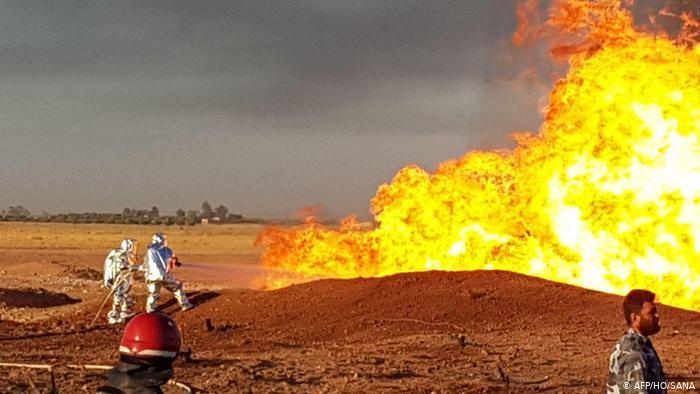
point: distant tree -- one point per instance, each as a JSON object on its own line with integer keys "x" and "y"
{"x": 126, "y": 212}
{"x": 154, "y": 212}
{"x": 18, "y": 211}
{"x": 180, "y": 213}
{"x": 168, "y": 220}
{"x": 234, "y": 217}
{"x": 140, "y": 213}
{"x": 207, "y": 211}
{"x": 192, "y": 217}
{"x": 221, "y": 212}
{"x": 180, "y": 220}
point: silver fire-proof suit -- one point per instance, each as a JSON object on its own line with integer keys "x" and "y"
{"x": 118, "y": 273}
{"x": 158, "y": 267}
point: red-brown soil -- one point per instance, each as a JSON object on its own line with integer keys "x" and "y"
{"x": 392, "y": 334}
{"x": 33, "y": 298}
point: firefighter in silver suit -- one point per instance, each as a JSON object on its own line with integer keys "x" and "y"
{"x": 159, "y": 263}
{"x": 118, "y": 275}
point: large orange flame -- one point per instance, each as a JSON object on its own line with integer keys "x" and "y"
{"x": 606, "y": 195}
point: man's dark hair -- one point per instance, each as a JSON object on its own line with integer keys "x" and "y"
{"x": 634, "y": 300}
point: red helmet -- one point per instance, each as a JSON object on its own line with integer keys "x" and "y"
{"x": 151, "y": 336}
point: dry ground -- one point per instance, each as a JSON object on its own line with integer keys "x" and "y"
{"x": 393, "y": 334}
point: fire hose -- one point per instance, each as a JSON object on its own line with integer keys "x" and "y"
{"x": 120, "y": 279}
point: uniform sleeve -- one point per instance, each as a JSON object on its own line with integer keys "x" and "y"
{"x": 630, "y": 375}
{"x": 626, "y": 371}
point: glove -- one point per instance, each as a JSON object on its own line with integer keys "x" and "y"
{"x": 174, "y": 261}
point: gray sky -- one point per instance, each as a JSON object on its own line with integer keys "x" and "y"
{"x": 264, "y": 106}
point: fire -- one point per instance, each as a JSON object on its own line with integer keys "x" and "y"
{"x": 605, "y": 196}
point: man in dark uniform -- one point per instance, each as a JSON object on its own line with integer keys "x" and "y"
{"x": 635, "y": 366}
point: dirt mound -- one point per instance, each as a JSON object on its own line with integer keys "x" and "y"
{"x": 356, "y": 309}
{"x": 33, "y": 298}
{"x": 78, "y": 272}
{"x": 84, "y": 273}
{"x": 481, "y": 331}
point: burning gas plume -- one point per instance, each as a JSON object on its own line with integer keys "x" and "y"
{"x": 605, "y": 196}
